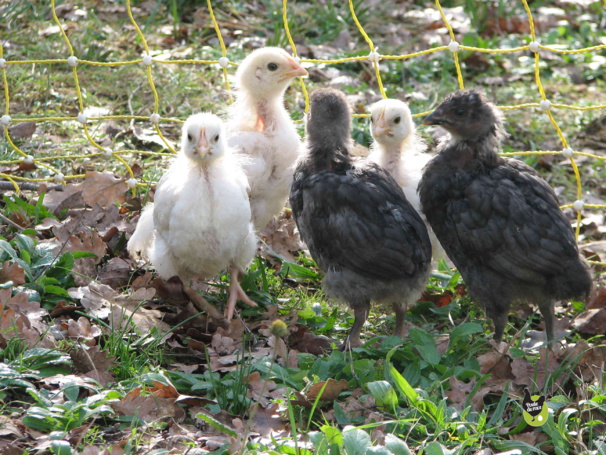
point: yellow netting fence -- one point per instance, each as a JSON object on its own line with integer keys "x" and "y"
{"x": 224, "y": 64}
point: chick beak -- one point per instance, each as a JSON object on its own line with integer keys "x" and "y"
{"x": 202, "y": 147}
{"x": 380, "y": 127}
{"x": 295, "y": 70}
{"x": 435, "y": 118}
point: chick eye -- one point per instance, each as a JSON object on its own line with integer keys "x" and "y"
{"x": 272, "y": 66}
{"x": 216, "y": 138}
{"x": 397, "y": 119}
{"x": 189, "y": 138}
{"x": 459, "y": 112}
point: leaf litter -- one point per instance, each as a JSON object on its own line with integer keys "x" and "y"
{"x": 91, "y": 220}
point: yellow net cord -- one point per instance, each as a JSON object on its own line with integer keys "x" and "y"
{"x": 224, "y": 64}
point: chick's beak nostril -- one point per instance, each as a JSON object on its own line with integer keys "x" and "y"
{"x": 381, "y": 127}
{"x": 293, "y": 63}
{"x": 435, "y": 118}
{"x": 296, "y": 70}
{"x": 381, "y": 131}
{"x": 202, "y": 146}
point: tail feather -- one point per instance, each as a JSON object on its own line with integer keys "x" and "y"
{"x": 142, "y": 239}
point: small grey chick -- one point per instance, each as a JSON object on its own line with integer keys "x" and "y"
{"x": 498, "y": 220}
{"x": 356, "y": 221}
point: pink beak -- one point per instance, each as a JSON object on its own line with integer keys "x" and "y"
{"x": 380, "y": 127}
{"x": 202, "y": 147}
{"x": 295, "y": 71}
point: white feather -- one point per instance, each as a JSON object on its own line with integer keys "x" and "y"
{"x": 261, "y": 130}
{"x": 399, "y": 150}
{"x": 201, "y": 214}
{"x": 143, "y": 237}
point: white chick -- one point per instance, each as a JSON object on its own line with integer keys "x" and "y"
{"x": 399, "y": 150}
{"x": 261, "y": 130}
{"x": 200, "y": 223}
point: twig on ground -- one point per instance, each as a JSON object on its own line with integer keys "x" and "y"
{"x": 29, "y": 186}
{"x": 11, "y": 222}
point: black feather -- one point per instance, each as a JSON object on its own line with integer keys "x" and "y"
{"x": 355, "y": 219}
{"x": 497, "y": 219}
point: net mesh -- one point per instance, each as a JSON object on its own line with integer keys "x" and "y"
{"x": 54, "y": 173}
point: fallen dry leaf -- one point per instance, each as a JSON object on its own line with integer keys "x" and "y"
{"x": 82, "y": 330}
{"x": 185, "y": 368}
{"x": 9, "y": 427}
{"x": 358, "y": 404}
{"x": 459, "y": 391}
{"x": 116, "y": 272}
{"x": 281, "y": 238}
{"x": 330, "y": 393}
{"x": 495, "y": 363}
{"x": 10, "y": 447}
{"x": 94, "y": 363}
{"x": 157, "y": 403}
{"x": 491, "y": 386}
{"x": 23, "y": 319}
{"x": 231, "y": 362}
{"x": 589, "y": 360}
{"x": 63, "y": 308}
{"x": 12, "y": 272}
{"x": 303, "y": 340}
{"x": 61, "y": 381}
{"x": 591, "y": 322}
{"x": 81, "y": 220}
{"x": 128, "y": 309}
{"x": 532, "y": 375}
{"x": 89, "y": 242}
{"x": 260, "y": 390}
{"x": 267, "y": 421}
{"x": 13, "y": 324}
{"x": 439, "y": 300}
{"x": 280, "y": 348}
{"x": 84, "y": 270}
{"x": 598, "y": 299}
{"x": 103, "y": 188}
{"x": 95, "y": 298}
{"x": 533, "y": 438}
{"x": 23, "y": 130}
{"x": 234, "y": 330}
{"x": 68, "y": 197}
{"x": 143, "y": 281}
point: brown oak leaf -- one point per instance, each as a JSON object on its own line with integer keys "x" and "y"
{"x": 103, "y": 188}
{"x": 12, "y": 272}
{"x": 83, "y": 330}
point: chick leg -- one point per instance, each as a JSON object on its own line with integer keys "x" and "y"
{"x": 548, "y": 313}
{"x": 400, "y": 310}
{"x": 499, "y": 318}
{"x": 361, "y": 310}
{"x": 234, "y": 293}
{"x": 201, "y": 303}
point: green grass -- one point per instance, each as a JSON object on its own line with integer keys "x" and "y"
{"x": 399, "y": 384}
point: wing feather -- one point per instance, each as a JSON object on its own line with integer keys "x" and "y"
{"x": 509, "y": 220}
{"x": 360, "y": 220}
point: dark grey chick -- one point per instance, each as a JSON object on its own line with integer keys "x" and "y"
{"x": 497, "y": 219}
{"x": 359, "y": 227}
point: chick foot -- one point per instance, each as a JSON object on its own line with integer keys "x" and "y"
{"x": 202, "y": 304}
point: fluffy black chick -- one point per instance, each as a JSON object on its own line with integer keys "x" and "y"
{"x": 359, "y": 227}
{"x": 497, "y": 219}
